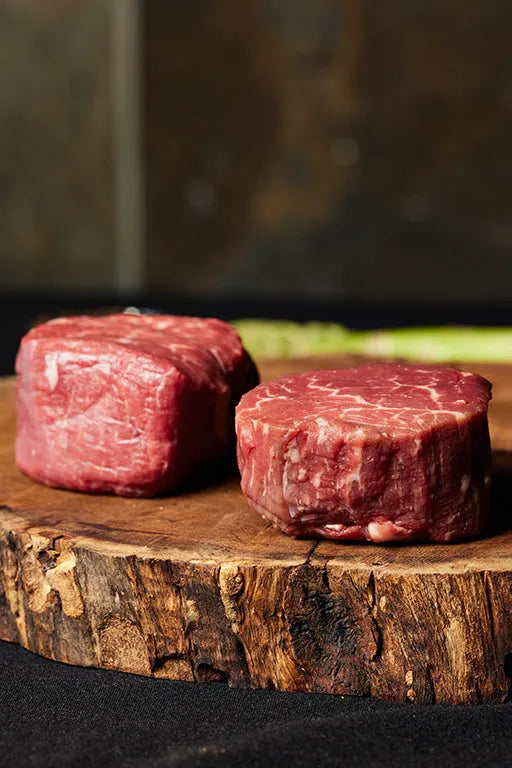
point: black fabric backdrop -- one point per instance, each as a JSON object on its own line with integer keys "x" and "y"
{"x": 55, "y": 715}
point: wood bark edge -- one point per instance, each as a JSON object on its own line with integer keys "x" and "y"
{"x": 315, "y": 626}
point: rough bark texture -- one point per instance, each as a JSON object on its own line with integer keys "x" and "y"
{"x": 197, "y": 587}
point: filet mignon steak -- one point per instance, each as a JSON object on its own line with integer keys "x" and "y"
{"x": 380, "y": 453}
{"x": 129, "y": 404}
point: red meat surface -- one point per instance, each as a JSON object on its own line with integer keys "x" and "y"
{"x": 380, "y": 453}
{"x": 129, "y": 404}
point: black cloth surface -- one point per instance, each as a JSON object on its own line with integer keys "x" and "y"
{"x": 55, "y": 715}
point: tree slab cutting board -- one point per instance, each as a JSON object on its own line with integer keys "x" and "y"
{"x": 198, "y": 587}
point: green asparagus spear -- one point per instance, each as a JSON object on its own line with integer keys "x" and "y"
{"x": 437, "y": 345}
{"x": 280, "y": 338}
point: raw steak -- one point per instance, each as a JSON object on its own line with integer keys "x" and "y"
{"x": 381, "y": 452}
{"x": 130, "y": 404}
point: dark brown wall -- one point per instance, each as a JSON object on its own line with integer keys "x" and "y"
{"x": 305, "y": 147}
{"x": 56, "y": 226}
{"x": 330, "y": 147}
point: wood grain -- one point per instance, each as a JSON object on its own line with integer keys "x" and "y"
{"x": 198, "y": 587}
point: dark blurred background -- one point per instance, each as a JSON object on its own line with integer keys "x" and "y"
{"x": 328, "y": 153}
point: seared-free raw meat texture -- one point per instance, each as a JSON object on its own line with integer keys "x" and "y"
{"x": 381, "y": 452}
{"x": 129, "y": 404}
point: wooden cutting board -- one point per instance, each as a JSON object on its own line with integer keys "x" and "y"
{"x": 198, "y": 587}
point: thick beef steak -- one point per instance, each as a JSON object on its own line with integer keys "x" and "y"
{"x": 130, "y": 404}
{"x": 381, "y": 452}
